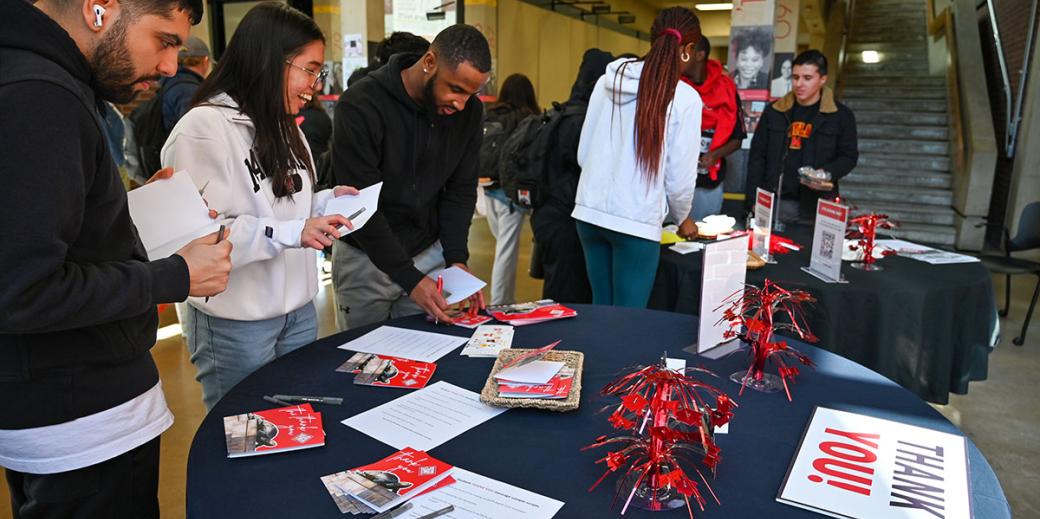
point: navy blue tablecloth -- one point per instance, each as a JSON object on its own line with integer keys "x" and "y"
{"x": 539, "y": 450}
{"x": 930, "y": 328}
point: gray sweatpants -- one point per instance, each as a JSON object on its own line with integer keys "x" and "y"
{"x": 366, "y": 295}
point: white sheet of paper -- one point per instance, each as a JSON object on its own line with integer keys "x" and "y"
{"x": 425, "y": 418}
{"x": 458, "y": 284}
{"x": 537, "y": 372}
{"x": 478, "y": 497}
{"x": 367, "y": 202}
{"x": 402, "y": 342}
{"x": 723, "y": 274}
{"x": 686, "y": 247}
{"x": 168, "y": 214}
{"x": 925, "y": 253}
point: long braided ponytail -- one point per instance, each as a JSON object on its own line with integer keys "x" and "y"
{"x": 673, "y": 28}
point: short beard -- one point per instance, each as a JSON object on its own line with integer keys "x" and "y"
{"x": 113, "y": 69}
{"x": 428, "y": 99}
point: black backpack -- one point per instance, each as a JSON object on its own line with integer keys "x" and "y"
{"x": 499, "y": 123}
{"x": 525, "y": 155}
{"x": 149, "y": 133}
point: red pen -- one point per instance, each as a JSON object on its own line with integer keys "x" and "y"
{"x": 440, "y": 292}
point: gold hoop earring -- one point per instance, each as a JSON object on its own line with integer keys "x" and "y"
{"x": 684, "y": 57}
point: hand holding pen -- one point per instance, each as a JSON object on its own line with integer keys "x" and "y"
{"x": 209, "y": 263}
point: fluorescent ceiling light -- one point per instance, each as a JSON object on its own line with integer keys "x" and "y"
{"x": 720, "y": 6}
{"x": 871, "y": 56}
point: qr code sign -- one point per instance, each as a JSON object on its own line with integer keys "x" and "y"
{"x": 827, "y": 245}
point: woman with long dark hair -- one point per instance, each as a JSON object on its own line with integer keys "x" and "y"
{"x": 516, "y": 101}
{"x": 242, "y": 147}
{"x": 638, "y": 154}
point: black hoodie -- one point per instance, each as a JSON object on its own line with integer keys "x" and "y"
{"x": 78, "y": 296}
{"x": 427, "y": 163}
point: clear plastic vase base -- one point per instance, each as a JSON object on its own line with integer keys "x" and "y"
{"x": 766, "y": 383}
{"x": 662, "y": 499}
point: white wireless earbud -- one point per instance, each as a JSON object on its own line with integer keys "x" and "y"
{"x": 99, "y": 13}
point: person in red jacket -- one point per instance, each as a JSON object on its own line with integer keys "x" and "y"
{"x": 722, "y": 128}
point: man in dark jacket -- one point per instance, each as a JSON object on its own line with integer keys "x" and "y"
{"x": 560, "y": 252}
{"x": 807, "y": 127}
{"x": 82, "y": 403}
{"x": 415, "y": 125}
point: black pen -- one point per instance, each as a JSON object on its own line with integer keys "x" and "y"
{"x": 274, "y": 400}
{"x": 312, "y": 399}
{"x": 220, "y": 236}
{"x": 343, "y": 228}
{"x": 446, "y": 510}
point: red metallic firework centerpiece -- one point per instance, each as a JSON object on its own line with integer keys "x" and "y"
{"x": 669, "y": 419}
{"x": 867, "y": 226}
{"x": 755, "y": 315}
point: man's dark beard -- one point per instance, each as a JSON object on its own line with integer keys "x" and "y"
{"x": 428, "y": 100}
{"x": 113, "y": 70}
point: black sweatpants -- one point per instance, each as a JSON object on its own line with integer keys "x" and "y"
{"x": 124, "y": 486}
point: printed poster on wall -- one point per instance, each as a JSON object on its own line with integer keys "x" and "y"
{"x": 785, "y": 45}
{"x": 751, "y": 56}
{"x": 410, "y": 16}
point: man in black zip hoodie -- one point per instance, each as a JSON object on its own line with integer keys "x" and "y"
{"x": 82, "y": 403}
{"x": 807, "y": 127}
{"x": 415, "y": 125}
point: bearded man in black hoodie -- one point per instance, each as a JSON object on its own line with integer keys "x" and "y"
{"x": 415, "y": 125}
{"x": 82, "y": 404}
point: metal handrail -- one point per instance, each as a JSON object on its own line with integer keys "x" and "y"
{"x": 1005, "y": 79}
{"x": 1016, "y": 118}
{"x": 850, "y": 9}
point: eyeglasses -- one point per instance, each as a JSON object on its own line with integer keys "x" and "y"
{"x": 319, "y": 77}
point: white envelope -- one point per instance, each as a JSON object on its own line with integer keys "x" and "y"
{"x": 458, "y": 284}
{"x": 168, "y": 214}
{"x": 537, "y": 372}
{"x": 358, "y": 208}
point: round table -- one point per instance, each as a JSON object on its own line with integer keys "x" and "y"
{"x": 539, "y": 450}
{"x": 928, "y": 327}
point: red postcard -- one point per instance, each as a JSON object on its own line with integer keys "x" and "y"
{"x": 390, "y": 481}
{"x": 274, "y": 430}
{"x": 388, "y": 371}
{"x": 520, "y": 314}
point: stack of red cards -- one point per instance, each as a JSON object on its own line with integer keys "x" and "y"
{"x": 274, "y": 430}
{"x": 388, "y": 482}
{"x": 557, "y": 388}
{"x": 387, "y": 371}
{"x": 531, "y": 376}
{"x": 519, "y": 314}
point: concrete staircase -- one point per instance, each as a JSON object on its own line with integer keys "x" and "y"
{"x": 901, "y": 115}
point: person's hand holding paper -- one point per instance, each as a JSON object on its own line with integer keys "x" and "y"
{"x": 169, "y": 212}
{"x": 356, "y": 206}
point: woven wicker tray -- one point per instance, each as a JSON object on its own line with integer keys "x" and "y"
{"x": 573, "y": 359}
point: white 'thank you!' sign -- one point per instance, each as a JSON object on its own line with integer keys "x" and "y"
{"x": 857, "y": 467}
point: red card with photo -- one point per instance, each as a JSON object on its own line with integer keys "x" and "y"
{"x": 273, "y": 430}
{"x": 388, "y": 371}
